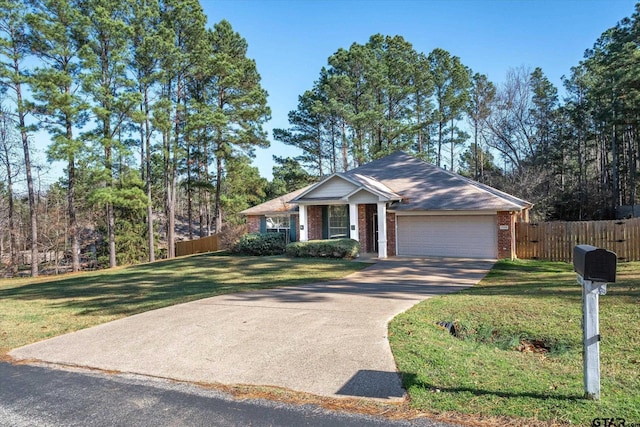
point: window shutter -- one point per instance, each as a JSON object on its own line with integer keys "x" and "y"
{"x": 325, "y": 222}
{"x": 263, "y": 224}
{"x": 293, "y": 228}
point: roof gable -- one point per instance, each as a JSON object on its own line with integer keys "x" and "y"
{"x": 340, "y": 187}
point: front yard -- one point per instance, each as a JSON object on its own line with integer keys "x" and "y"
{"x": 518, "y": 349}
{"x": 515, "y": 358}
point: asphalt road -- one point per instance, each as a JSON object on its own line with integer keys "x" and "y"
{"x": 40, "y": 396}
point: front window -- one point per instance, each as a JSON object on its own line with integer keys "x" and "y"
{"x": 278, "y": 223}
{"x": 338, "y": 221}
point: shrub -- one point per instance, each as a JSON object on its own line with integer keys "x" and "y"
{"x": 230, "y": 235}
{"x": 261, "y": 244}
{"x": 338, "y": 248}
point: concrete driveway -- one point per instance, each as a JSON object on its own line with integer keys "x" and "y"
{"x": 327, "y": 338}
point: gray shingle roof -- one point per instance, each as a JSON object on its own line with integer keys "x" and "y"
{"x": 427, "y": 187}
{"x": 278, "y": 205}
{"x": 420, "y": 186}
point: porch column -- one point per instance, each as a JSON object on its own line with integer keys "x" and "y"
{"x": 304, "y": 227}
{"x": 382, "y": 230}
{"x": 353, "y": 221}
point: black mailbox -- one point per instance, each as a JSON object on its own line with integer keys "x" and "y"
{"x": 595, "y": 264}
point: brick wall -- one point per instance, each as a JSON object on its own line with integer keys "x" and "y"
{"x": 253, "y": 223}
{"x": 363, "y": 232}
{"x": 314, "y": 222}
{"x": 391, "y": 234}
{"x": 506, "y": 248}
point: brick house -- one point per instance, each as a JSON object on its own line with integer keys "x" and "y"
{"x": 399, "y": 205}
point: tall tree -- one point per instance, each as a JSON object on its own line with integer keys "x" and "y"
{"x": 7, "y": 157}
{"x": 14, "y": 47}
{"x": 183, "y": 30}
{"x": 451, "y": 88}
{"x": 422, "y": 91}
{"x": 55, "y": 28}
{"x": 511, "y": 127}
{"x": 348, "y": 87}
{"x": 398, "y": 58}
{"x": 544, "y": 101}
{"x": 147, "y": 39}
{"x": 241, "y": 104}
{"x": 104, "y": 58}
{"x": 307, "y": 132}
{"x": 482, "y": 95}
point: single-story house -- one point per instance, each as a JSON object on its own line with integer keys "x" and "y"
{"x": 399, "y": 205}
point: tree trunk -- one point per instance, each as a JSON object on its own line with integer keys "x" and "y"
{"x": 13, "y": 245}
{"x": 169, "y": 201}
{"x": 73, "y": 225}
{"x": 452, "y": 142}
{"x": 189, "y": 193}
{"x": 147, "y": 143}
{"x": 217, "y": 212}
{"x": 111, "y": 219}
{"x": 71, "y": 203}
{"x": 33, "y": 219}
{"x": 438, "y": 160}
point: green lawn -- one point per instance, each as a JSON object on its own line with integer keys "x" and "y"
{"x": 482, "y": 372}
{"x": 35, "y": 309}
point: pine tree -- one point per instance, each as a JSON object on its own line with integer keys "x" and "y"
{"x": 241, "y": 104}
{"x": 482, "y": 94}
{"x": 55, "y": 29}
{"x": 147, "y": 39}
{"x": 14, "y": 47}
{"x": 183, "y": 29}
{"x": 306, "y": 132}
{"x": 8, "y": 143}
{"x": 452, "y": 83}
{"x": 104, "y": 58}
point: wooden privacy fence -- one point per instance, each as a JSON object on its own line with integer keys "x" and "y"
{"x": 205, "y": 244}
{"x": 554, "y": 241}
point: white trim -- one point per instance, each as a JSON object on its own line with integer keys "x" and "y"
{"x": 330, "y": 216}
{"x": 382, "y": 230}
{"x": 396, "y": 236}
{"x": 444, "y": 213}
{"x": 303, "y": 226}
{"x": 353, "y": 221}
{"x": 359, "y": 186}
{"x": 321, "y": 202}
{"x": 276, "y": 213}
{"x": 359, "y": 189}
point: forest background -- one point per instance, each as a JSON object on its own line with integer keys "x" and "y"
{"x": 157, "y": 117}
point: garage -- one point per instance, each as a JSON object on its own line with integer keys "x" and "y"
{"x": 468, "y": 236}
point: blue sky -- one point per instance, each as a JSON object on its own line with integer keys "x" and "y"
{"x": 291, "y": 40}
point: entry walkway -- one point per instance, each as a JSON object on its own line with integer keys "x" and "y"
{"x": 327, "y": 338}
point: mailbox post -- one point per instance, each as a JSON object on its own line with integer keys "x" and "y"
{"x": 595, "y": 267}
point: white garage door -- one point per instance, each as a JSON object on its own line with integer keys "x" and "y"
{"x": 452, "y": 236}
